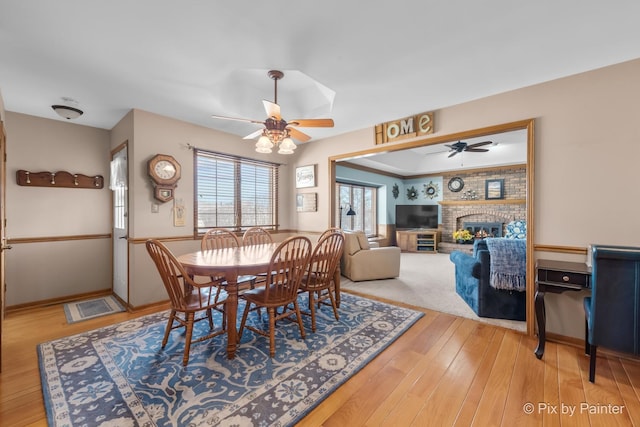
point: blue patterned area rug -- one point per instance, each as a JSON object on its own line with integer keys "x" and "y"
{"x": 89, "y": 309}
{"x": 119, "y": 376}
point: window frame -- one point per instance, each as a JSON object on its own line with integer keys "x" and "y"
{"x": 235, "y": 186}
{"x": 359, "y": 221}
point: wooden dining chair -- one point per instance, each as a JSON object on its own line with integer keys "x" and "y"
{"x": 318, "y": 281}
{"x": 222, "y": 238}
{"x": 219, "y": 238}
{"x": 288, "y": 265}
{"x": 256, "y": 236}
{"x": 331, "y": 230}
{"x": 335, "y": 284}
{"x": 187, "y": 297}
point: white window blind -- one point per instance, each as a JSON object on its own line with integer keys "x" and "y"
{"x": 234, "y": 192}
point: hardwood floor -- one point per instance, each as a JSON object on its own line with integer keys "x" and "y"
{"x": 444, "y": 371}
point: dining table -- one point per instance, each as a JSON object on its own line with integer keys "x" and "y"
{"x": 230, "y": 263}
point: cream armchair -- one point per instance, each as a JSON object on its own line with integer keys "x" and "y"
{"x": 362, "y": 260}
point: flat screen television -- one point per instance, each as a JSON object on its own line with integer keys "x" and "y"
{"x": 416, "y": 216}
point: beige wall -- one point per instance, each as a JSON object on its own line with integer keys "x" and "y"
{"x": 587, "y": 143}
{"x": 149, "y": 134}
{"x": 2, "y": 112}
{"x": 155, "y": 134}
{"x": 41, "y": 271}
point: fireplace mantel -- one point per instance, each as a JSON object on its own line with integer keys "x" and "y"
{"x": 483, "y": 202}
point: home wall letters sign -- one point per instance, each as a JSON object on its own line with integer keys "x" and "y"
{"x": 408, "y": 127}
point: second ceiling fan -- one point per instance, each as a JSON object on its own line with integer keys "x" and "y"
{"x": 275, "y": 127}
{"x": 461, "y": 146}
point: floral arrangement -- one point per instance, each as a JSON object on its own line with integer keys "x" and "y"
{"x": 462, "y": 235}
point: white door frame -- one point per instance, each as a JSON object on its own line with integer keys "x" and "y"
{"x": 120, "y": 225}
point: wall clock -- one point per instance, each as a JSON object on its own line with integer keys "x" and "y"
{"x": 456, "y": 184}
{"x": 164, "y": 171}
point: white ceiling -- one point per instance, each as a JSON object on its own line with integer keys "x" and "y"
{"x": 384, "y": 60}
{"x": 507, "y": 148}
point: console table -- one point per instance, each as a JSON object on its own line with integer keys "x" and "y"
{"x": 418, "y": 240}
{"x": 556, "y": 277}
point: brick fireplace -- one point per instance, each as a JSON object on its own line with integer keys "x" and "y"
{"x": 475, "y": 215}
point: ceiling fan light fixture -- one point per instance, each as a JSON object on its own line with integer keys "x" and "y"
{"x": 275, "y": 138}
{"x": 264, "y": 145}
{"x": 276, "y": 129}
{"x": 67, "y": 112}
{"x": 284, "y": 151}
{"x": 287, "y": 144}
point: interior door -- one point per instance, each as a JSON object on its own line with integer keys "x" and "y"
{"x": 3, "y": 242}
{"x": 120, "y": 230}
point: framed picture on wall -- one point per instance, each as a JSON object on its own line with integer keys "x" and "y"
{"x": 307, "y": 202}
{"x": 306, "y": 176}
{"x": 494, "y": 189}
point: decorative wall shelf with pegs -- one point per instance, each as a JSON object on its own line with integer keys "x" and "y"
{"x": 58, "y": 179}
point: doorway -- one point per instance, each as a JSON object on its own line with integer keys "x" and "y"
{"x": 526, "y": 125}
{"x": 120, "y": 227}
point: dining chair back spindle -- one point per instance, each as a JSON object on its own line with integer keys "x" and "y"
{"x": 331, "y": 230}
{"x": 219, "y": 238}
{"x": 223, "y": 238}
{"x": 256, "y": 236}
{"x": 287, "y": 267}
{"x": 187, "y": 298}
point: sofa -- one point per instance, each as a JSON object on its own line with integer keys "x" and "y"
{"x": 495, "y": 290}
{"x": 362, "y": 260}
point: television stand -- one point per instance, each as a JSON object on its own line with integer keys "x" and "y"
{"x": 422, "y": 240}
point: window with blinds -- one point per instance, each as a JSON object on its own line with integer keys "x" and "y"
{"x": 362, "y": 199}
{"x": 234, "y": 192}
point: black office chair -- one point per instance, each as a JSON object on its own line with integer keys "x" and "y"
{"x": 612, "y": 317}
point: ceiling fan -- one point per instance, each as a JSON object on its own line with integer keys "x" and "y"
{"x": 460, "y": 146}
{"x": 276, "y": 129}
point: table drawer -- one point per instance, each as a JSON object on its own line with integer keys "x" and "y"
{"x": 564, "y": 277}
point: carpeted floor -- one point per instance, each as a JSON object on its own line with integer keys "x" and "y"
{"x": 119, "y": 375}
{"x": 428, "y": 281}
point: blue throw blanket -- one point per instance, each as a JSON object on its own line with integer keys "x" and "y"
{"x": 508, "y": 263}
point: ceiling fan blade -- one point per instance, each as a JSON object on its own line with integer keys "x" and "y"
{"x": 453, "y": 154}
{"x": 312, "y": 123}
{"x": 236, "y": 119}
{"x": 479, "y": 144}
{"x": 272, "y": 109}
{"x": 296, "y": 134}
{"x": 458, "y": 146}
{"x": 254, "y": 134}
{"x": 477, "y": 150}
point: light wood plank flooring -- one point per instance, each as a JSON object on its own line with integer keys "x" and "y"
{"x": 444, "y": 371}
